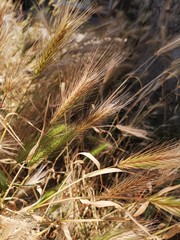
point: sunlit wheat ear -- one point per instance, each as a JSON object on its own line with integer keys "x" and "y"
{"x": 85, "y": 81}
{"x": 70, "y": 21}
{"x": 108, "y": 108}
{"x": 132, "y": 187}
{"x": 175, "y": 43}
{"x": 162, "y": 158}
{"x": 139, "y": 185}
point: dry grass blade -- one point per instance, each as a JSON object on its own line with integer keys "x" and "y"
{"x": 92, "y": 158}
{"x": 141, "y": 209}
{"x": 129, "y": 130}
{"x": 162, "y": 158}
{"x": 100, "y": 204}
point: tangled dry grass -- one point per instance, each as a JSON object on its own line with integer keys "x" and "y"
{"x": 77, "y": 160}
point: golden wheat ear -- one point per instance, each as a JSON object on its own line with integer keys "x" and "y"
{"x": 85, "y": 81}
{"x": 70, "y": 20}
{"x": 162, "y": 157}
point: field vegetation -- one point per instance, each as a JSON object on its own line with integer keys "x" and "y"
{"x": 86, "y": 150}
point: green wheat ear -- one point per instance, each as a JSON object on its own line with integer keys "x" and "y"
{"x": 47, "y": 140}
{"x": 56, "y": 138}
